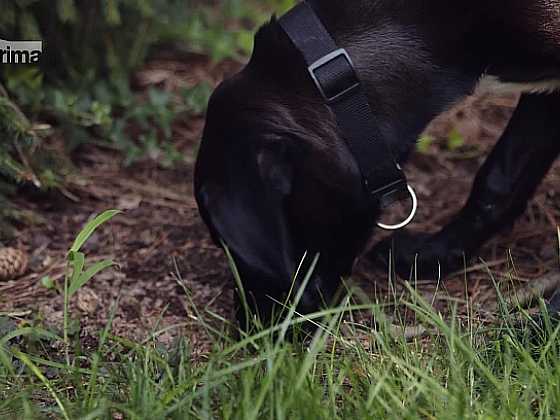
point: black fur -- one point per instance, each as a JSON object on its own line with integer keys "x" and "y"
{"x": 274, "y": 178}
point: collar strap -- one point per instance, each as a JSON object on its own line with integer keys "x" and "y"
{"x": 335, "y": 77}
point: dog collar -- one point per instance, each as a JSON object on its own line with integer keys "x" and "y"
{"x": 336, "y": 79}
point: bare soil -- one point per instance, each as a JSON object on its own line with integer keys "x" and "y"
{"x": 169, "y": 274}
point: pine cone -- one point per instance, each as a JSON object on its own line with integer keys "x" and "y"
{"x": 13, "y": 263}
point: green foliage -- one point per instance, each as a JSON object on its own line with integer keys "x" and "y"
{"x": 455, "y": 369}
{"x": 23, "y": 159}
{"x": 424, "y": 144}
{"x": 77, "y": 275}
{"x": 454, "y": 142}
{"x": 14, "y": 127}
{"x": 86, "y": 41}
{"x": 225, "y": 31}
{"x": 196, "y": 98}
{"x": 82, "y": 84}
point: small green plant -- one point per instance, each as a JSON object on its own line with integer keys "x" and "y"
{"x": 455, "y": 140}
{"x": 424, "y": 144}
{"x": 77, "y": 275}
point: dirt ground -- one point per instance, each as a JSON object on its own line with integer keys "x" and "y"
{"x": 169, "y": 273}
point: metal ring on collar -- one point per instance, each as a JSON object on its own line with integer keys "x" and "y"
{"x": 409, "y": 219}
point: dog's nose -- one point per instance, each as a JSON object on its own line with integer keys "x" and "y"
{"x": 270, "y": 301}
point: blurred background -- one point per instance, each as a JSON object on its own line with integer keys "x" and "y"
{"x": 87, "y": 89}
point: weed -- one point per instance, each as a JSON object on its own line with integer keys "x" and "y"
{"x": 77, "y": 275}
{"x": 343, "y": 369}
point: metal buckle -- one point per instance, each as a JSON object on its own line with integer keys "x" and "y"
{"x": 326, "y": 60}
{"x": 409, "y": 219}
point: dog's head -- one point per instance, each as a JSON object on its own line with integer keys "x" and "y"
{"x": 275, "y": 179}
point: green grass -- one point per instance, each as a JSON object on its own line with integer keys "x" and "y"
{"x": 457, "y": 370}
{"x": 454, "y": 373}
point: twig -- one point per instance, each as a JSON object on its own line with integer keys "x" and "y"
{"x": 533, "y": 290}
{"x": 410, "y": 332}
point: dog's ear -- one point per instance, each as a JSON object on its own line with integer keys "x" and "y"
{"x": 245, "y": 206}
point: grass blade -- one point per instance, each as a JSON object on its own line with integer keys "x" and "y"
{"x": 86, "y": 276}
{"x": 91, "y": 227}
{"x": 37, "y": 372}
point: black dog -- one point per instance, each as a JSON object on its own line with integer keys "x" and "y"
{"x": 275, "y": 178}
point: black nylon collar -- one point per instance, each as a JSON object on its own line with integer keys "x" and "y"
{"x": 335, "y": 77}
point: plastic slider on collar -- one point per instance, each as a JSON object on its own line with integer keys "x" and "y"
{"x": 393, "y": 193}
{"x": 334, "y": 75}
{"x": 388, "y": 195}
